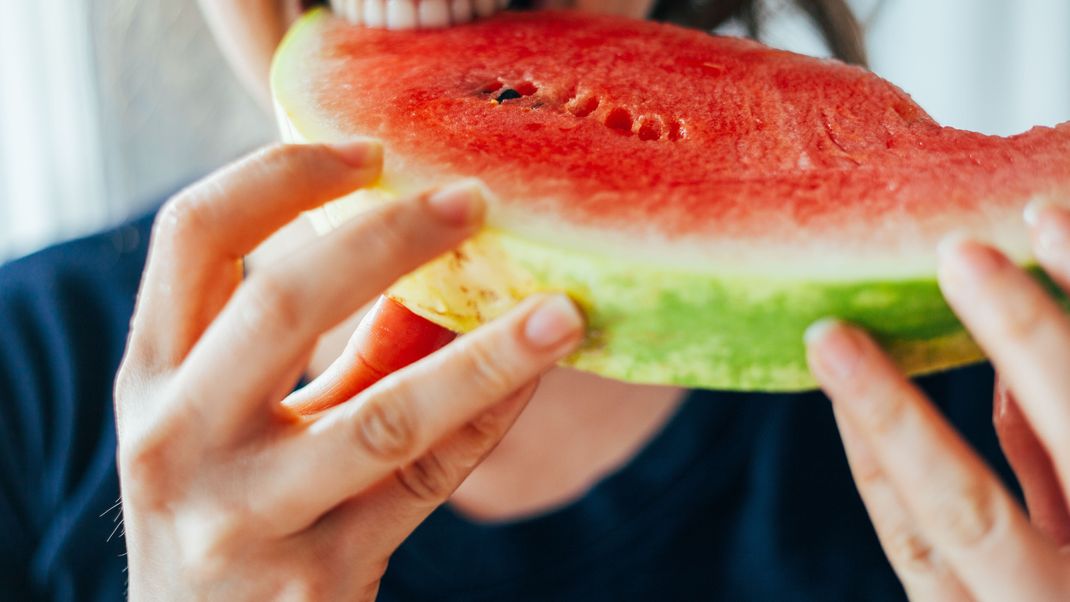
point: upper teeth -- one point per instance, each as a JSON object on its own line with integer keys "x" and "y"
{"x": 414, "y": 14}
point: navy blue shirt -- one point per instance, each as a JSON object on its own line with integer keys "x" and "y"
{"x": 739, "y": 497}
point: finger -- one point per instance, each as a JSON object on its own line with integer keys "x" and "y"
{"x": 1049, "y": 231}
{"x": 386, "y": 515}
{"x": 1032, "y": 466}
{"x": 959, "y": 505}
{"x": 398, "y": 419}
{"x": 278, "y": 314}
{"x": 201, "y": 235}
{"x": 388, "y": 338}
{"x": 923, "y": 574}
{"x": 1022, "y": 329}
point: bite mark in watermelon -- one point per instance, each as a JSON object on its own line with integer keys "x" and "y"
{"x": 704, "y": 198}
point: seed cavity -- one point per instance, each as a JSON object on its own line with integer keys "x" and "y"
{"x": 619, "y": 119}
{"x": 647, "y": 127}
{"x": 650, "y": 127}
{"x": 526, "y": 88}
{"x": 582, "y": 107}
{"x": 677, "y": 131}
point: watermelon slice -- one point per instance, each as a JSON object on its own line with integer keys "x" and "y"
{"x": 703, "y": 198}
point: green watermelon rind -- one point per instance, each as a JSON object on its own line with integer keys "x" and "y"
{"x": 648, "y": 323}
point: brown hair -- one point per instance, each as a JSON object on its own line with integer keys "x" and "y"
{"x": 833, "y": 18}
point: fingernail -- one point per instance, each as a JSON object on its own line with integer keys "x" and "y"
{"x": 458, "y": 204}
{"x": 1034, "y": 209}
{"x": 555, "y": 320}
{"x": 833, "y": 347}
{"x": 965, "y": 260}
{"x": 360, "y": 153}
{"x": 1050, "y": 230}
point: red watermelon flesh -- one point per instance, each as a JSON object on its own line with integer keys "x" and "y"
{"x": 677, "y": 133}
{"x": 706, "y": 157}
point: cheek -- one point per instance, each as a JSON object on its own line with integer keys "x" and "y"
{"x": 248, "y": 31}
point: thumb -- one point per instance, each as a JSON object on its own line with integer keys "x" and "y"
{"x": 1033, "y": 467}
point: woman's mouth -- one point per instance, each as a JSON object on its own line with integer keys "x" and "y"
{"x": 415, "y": 14}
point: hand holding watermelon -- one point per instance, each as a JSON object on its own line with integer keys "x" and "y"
{"x": 226, "y": 494}
{"x": 948, "y": 526}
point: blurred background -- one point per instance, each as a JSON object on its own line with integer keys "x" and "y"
{"x": 107, "y": 105}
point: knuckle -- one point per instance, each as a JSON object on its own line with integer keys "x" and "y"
{"x": 886, "y": 410}
{"x": 269, "y": 302}
{"x": 867, "y": 474}
{"x": 488, "y": 372}
{"x": 147, "y": 458}
{"x": 908, "y": 551}
{"x": 386, "y": 428}
{"x": 182, "y": 218}
{"x": 965, "y": 515}
{"x": 1024, "y": 316}
{"x": 427, "y": 479}
{"x": 280, "y": 154}
{"x": 207, "y": 544}
{"x": 387, "y": 232}
{"x": 294, "y": 162}
{"x": 143, "y": 470}
{"x": 479, "y": 441}
{"x": 484, "y": 430}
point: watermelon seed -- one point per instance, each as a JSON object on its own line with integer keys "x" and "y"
{"x": 508, "y": 94}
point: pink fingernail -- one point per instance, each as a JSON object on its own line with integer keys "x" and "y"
{"x": 1050, "y": 229}
{"x": 458, "y": 204}
{"x": 555, "y": 320}
{"x": 360, "y": 153}
{"x": 833, "y": 348}
{"x": 966, "y": 261}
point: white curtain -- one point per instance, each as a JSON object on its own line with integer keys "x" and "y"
{"x": 993, "y": 66}
{"x": 51, "y": 170}
{"x": 107, "y": 104}
{"x": 996, "y": 66}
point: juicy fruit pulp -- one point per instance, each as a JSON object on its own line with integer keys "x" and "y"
{"x": 703, "y": 198}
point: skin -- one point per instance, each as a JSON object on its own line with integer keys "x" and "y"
{"x": 950, "y": 529}
{"x": 589, "y": 445}
{"x": 233, "y": 500}
{"x": 226, "y": 492}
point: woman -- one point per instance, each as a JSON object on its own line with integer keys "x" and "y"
{"x": 600, "y": 489}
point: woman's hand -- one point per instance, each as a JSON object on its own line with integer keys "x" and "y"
{"x": 949, "y": 528}
{"x": 229, "y": 494}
